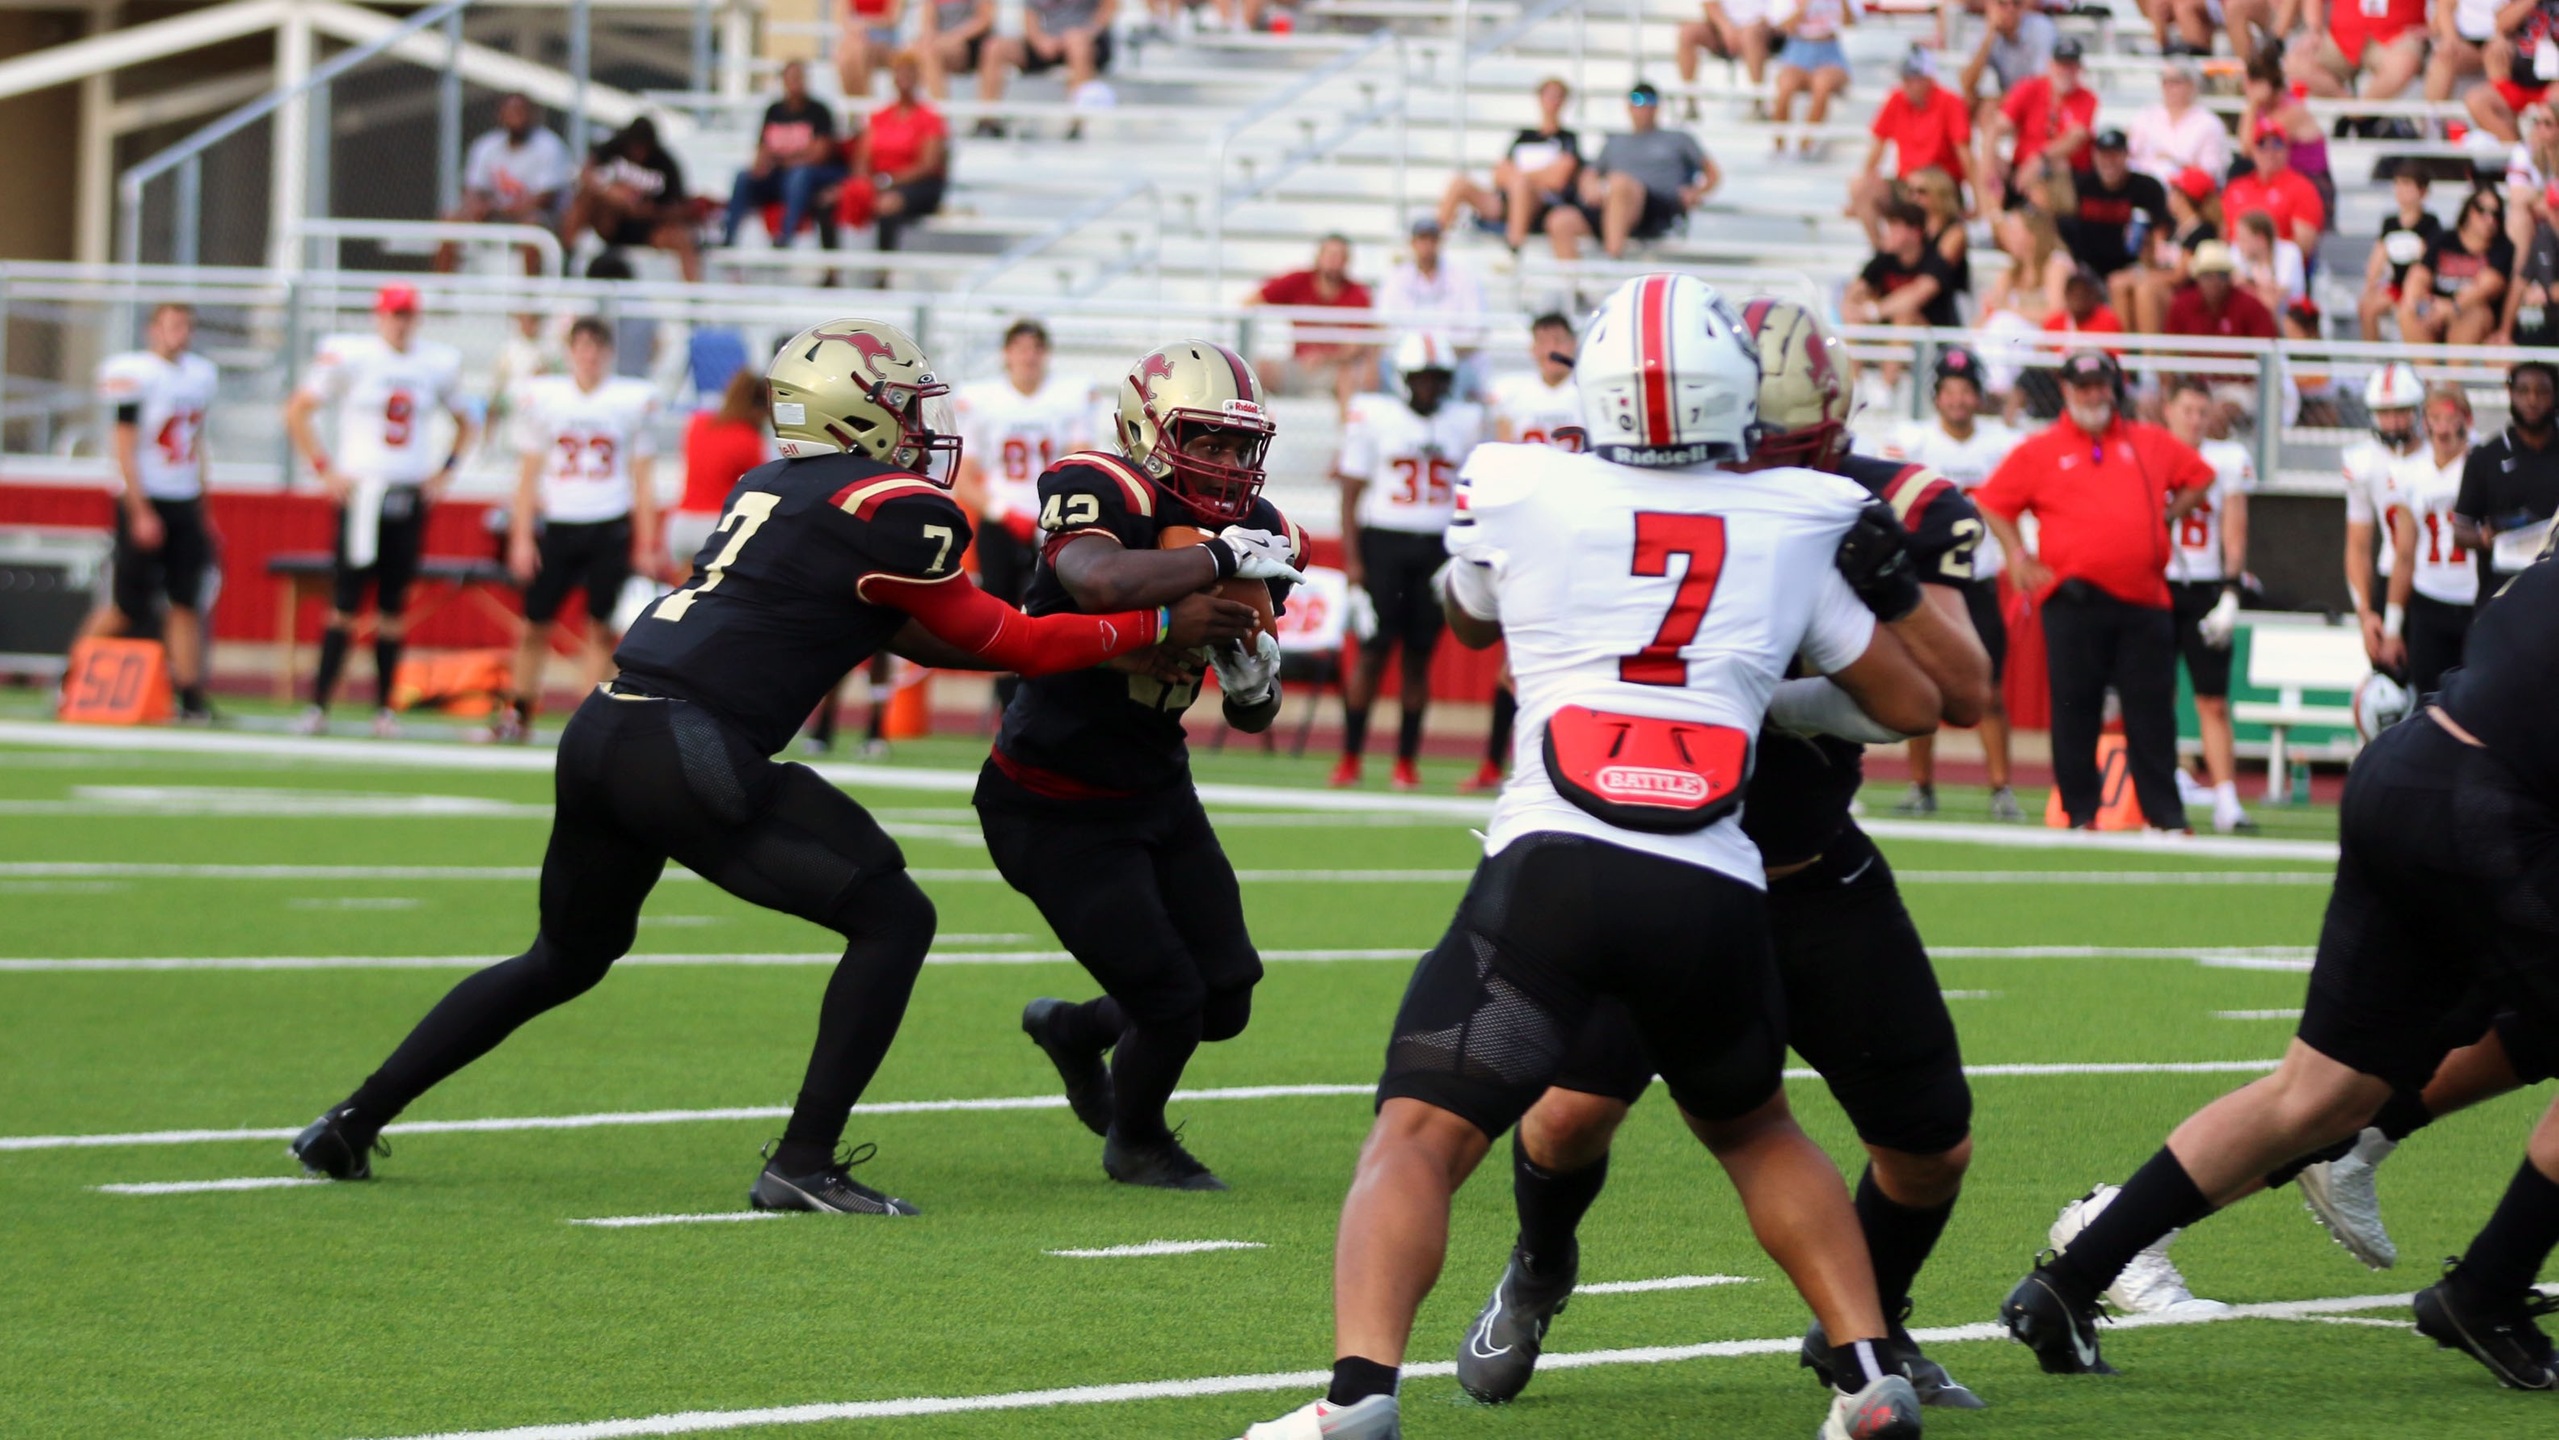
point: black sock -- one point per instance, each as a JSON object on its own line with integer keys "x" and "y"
{"x": 822, "y": 724}
{"x": 1855, "y": 1365}
{"x": 191, "y": 697}
{"x": 1497, "y": 740}
{"x": 386, "y": 667}
{"x": 2159, "y": 1197}
{"x": 1551, "y": 1207}
{"x": 1898, "y": 1237}
{"x": 1355, "y": 1379}
{"x": 2403, "y": 1115}
{"x": 887, "y": 925}
{"x": 1144, "y": 1070}
{"x": 333, "y": 659}
{"x": 1408, "y": 733}
{"x": 801, "y": 1157}
{"x": 2507, "y": 1255}
{"x": 1354, "y": 729}
{"x": 1095, "y": 1025}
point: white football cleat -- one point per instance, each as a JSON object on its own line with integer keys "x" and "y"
{"x": 1887, "y": 1409}
{"x": 312, "y": 721}
{"x": 2151, "y": 1284}
{"x": 1375, "y": 1418}
{"x": 2341, "y": 1196}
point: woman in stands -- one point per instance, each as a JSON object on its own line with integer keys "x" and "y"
{"x": 1813, "y": 60}
{"x": 719, "y": 446}
{"x": 2271, "y": 269}
{"x": 1933, "y": 190}
{"x": 2269, "y": 94}
{"x": 2457, "y": 293}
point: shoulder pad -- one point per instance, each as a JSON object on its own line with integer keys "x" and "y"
{"x": 863, "y": 498}
{"x": 1498, "y": 475}
{"x": 1108, "y": 474}
{"x": 122, "y": 374}
{"x": 915, "y": 530}
{"x": 1914, "y": 489}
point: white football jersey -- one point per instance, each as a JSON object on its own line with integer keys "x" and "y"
{"x": 2372, "y": 494}
{"x": 588, "y": 439}
{"x": 1967, "y": 462}
{"x": 2427, "y": 491}
{"x": 1534, "y": 410}
{"x": 1702, "y": 583}
{"x": 1410, "y": 462}
{"x": 387, "y": 402}
{"x": 1015, "y": 437}
{"x": 2195, "y": 551}
{"x": 169, "y": 398}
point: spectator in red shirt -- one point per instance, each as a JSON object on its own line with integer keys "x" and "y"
{"x": 2211, "y": 303}
{"x": 1926, "y": 125}
{"x": 906, "y": 153}
{"x": 2101, "y": 489}
{"x": 2390, "y": 47}
{"x": 719, "y": 446}
{"x": 1343, "y": 364}
{"x": 2049, "y": 112}
{"x": 2276, "y": 188}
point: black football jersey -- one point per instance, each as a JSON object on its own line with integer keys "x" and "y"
{"x": 1800, "y": 787}
{"x": 1104, "y": 728}
{"x": 2507, "y": 686}
{"x": 773, "y": 617}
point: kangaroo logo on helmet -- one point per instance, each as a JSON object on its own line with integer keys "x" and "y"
{"x": 1158, "y": 366}
{"x": 874, "y": 351}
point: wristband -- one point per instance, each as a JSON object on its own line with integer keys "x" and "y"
{"x": 1163, "y": 621}
{"x": 319, "y": 464}
{"x": 1222, "y": 555}
{"x": 450, "y": 461}
{"x": 2392, "y": 618}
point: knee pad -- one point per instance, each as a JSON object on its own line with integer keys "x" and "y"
{"x": 1226, "y": 1014}
{"x": 886, "y": 909}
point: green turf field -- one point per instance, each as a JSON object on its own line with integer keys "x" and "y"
{"x": 454, "y": 1295}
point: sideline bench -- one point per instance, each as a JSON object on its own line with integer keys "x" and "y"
{"x": 2293, "y": 658}
{"x": 441, "y": 580}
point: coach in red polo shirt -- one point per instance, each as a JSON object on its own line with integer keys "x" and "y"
{"x": 2104, "y": 490}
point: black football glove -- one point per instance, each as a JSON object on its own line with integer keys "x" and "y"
{"x": 1874, "y": 558}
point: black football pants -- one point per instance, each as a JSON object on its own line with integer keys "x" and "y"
{"x": 642, "y": 780}
{"x": 2091, "y": 641}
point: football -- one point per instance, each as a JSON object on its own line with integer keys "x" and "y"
{"x": 1248, "y": 592}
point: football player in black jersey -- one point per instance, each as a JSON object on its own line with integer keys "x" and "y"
{"x": 849, "y": 544}
{"x": 1087, "y": 800}
{"x": 2447, "y": 879}
{"x": 1862, "y": 1003}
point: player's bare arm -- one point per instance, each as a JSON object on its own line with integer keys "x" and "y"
{"x": 1103, "y": 575}
{"x": 1889, "y": 685}
{"x": 142, "y": 522}
{"x": 2389, "y": 647}
{"x": 645, "y": 549}
{"x": 523, "y": 558}
{"x": 306, "y": 442}
{"x": 465, "y": 431}
{"x": 1352, "y": 567}
{"x": 2026, "y": 569}
{"x": 2183, "y": 502}
{"x": 1939, "y": 635}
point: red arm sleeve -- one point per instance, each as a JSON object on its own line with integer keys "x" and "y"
{"x": 958, "y": 613}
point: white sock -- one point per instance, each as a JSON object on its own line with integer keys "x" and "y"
{"x": 2226, "y": 793}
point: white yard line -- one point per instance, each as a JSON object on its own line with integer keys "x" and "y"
{"x": 694, "y": 1422}
{"x": 2234, "y": 957}
{"x": 205, "y": 1187}
{"x": 2320, "y": 878}
{"x": 499, "y": 758}
{"x": 1159, "y": 1247}
{"x": 2256, "y": 1014}
{"x": 1666, "y": 1282}
{"x": 614, "y": 1118}
{"x": 633, "y": 1222}
{"x": 110, "y": 964}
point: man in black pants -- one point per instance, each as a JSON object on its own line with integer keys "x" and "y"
{"x": 2101, "y": 484}
{"x": 2447, "y": 879}
{"x": 1862, "y": 1003}
{"x": 2510, "y": 485}
{"x": 822, "y": 559}
{"x": 1086, "y": 798}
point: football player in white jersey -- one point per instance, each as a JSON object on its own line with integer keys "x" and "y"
{"x": 2434, "y": 584}
{"x": 385, "y": 477}
{"x": 2207, "y": 555}
{"x": 1398, "y": 469}
{"x": 164, "y": 541}
{"x": 1535, "y": 407}
{"x": 1651, "y": 600}
{"x": 1964, "y": 446}
{"x": 590, "y": 461}
{"x": 1012, "y": 429}
{"x": 2393, "y": 395}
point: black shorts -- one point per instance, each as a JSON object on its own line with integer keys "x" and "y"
{"x": 632, "y": 232}
{"x": 594, "y": 557}
{"x": 1981, "y": 601}
{"x": 2447, "y": 881}
{"x": 1033, "y": 64}
{"x": 399, "y": 540}
{"x": 1004, "y": 564}
{"x": 1553, "y": 926}
{"x": 1137, "y": 889}
{"x": 1862, "y": 1007}
{"x": 176, "y": 572}
{"x": 1660, "y": 213}
{"x": 2437, "y": 631}
{"x": 2206, "y": 667}
{"x": 1400, "y": 564}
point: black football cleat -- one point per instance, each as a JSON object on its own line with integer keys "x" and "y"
{"x": 2498, "y": 1334}
{"x": 1936, "y": 1388}
{"x": 338, "y": 1145}
{"x": 1499, "y": 1354}
{"x": 829, "y": 1191}
{"x": 1162, "y": 1165}
{"x": 1088, "y": 1080}
{"x": 2042, "y": 1315}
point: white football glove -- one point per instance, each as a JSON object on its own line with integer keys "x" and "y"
{"x": 2221, "y": 622}
{"x": 1247, "y": 673}
{"x": 1261, "y": 555}
{"x": 1359, "y": 615}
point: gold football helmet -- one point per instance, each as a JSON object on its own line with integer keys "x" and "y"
{"x": 863, "y": 387}
{"x": 1177, "y": 394}
{"x": 1804, "y": 387}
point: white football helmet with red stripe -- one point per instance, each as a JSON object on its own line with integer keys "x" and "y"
{"x": 1668, "y": 376}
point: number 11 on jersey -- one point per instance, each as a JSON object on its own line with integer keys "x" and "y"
{"x": 744, "y": 518}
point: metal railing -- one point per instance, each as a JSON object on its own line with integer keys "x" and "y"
{"x": 1221, "y": 147}
{"x": 1150, "y": 258}
{"x": 511, "y": 237}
